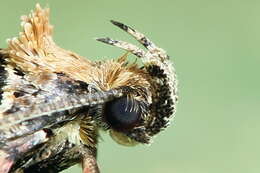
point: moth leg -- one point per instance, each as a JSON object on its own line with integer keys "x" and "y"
{"x": 89, "y": 164}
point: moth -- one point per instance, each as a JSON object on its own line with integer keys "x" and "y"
{"x": 54, "y": 102}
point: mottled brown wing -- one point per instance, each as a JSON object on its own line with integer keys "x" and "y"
{"x": 28, "y": 107}
{"x": 38, "y": 79}
{"x": 29, "y": 103}
{"x": 41, "y": 85}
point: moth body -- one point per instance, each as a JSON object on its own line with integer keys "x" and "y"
{"x": 54, "y": 103}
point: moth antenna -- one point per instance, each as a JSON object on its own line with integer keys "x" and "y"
{"x": 137, "y": 35}
{"x": 123, "y": 45}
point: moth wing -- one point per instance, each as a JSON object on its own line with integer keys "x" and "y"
{"x": 30, "y": 102}
{"x": 41, "y": 86}
{"x": 37, "y": 78}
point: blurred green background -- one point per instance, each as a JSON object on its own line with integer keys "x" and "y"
{"x": 215, "y": 48}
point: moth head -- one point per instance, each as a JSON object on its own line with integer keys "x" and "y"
{"x": 147, "y": 103}
{"x": 149, "y": 92}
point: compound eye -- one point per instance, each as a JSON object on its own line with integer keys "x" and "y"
{"x": 123, "y": 113}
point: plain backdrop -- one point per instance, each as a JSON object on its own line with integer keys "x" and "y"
{"x": 215, "y": 48}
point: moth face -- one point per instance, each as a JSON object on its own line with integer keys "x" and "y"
{"x": 126, "y": 117}
{"x": 145, "y": 106}
{"x": 150, "y": 95}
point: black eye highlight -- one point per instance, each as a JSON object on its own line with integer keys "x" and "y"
{"x": 123, "y": 113}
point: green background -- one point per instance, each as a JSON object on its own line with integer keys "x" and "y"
{"x": 214, "y": 45}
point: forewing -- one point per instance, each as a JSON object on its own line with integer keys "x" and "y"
{"x": 29, "y": 103}
{"x": 40, "y": 82}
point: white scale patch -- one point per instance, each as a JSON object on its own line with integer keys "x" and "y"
{"x": 68, "y": 132}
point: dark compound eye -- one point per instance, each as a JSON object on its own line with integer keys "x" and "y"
{"x": 123, "y": 113}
